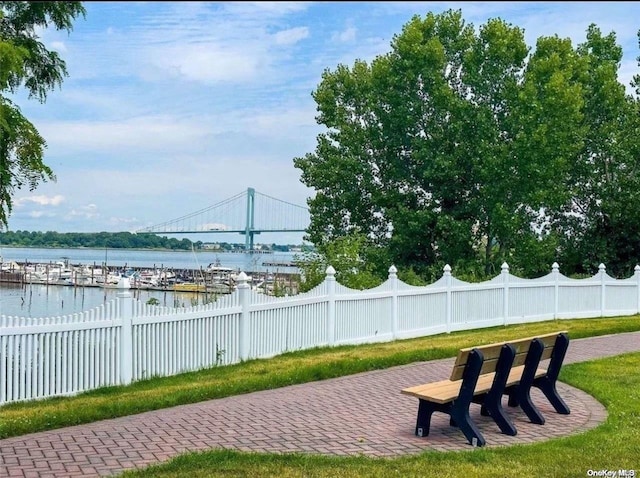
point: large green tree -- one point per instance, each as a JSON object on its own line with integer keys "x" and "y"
{"x": 458, "y": 146}
{"x": 601, "y": 222}
{"x": 25, "y": 62}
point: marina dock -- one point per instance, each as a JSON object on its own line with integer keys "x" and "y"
{"x": 211, "y": 279}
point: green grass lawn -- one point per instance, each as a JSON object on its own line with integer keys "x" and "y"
{"x": 613, "y": 445}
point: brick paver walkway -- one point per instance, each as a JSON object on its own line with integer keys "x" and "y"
{"x": 363, "y": 414}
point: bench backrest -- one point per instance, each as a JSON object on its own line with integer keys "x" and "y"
{"x": 491, "y": 352}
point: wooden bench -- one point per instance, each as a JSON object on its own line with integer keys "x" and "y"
{"x": 484, "y": 374}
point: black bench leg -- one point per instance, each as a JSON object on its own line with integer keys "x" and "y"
{"x": 492, "y": 402}
{"x": 548, "y": 387}
{"x": 529, "y": 409}
{"x": 468, "y": 427}
{"x": 459, "y": 417}
{"x": 423, "y": 423}
{"x": 503, "y": 421}
{"x": 492, "y": 407}
{"x": 523, "y": 390}
{"x": 548, "y": 383}
{"x": 459, "y": 411}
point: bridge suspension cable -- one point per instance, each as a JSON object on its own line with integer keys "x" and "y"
{"x": 274, "y": 213}
{"x": 247, "y": 213}
{"x": 201, "y": 218}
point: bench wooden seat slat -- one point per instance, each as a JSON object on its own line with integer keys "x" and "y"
{"x": 484, "y": 373}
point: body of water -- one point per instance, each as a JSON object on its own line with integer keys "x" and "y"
{"x": 39, "y": 300}
{"x": 250, "y": 262}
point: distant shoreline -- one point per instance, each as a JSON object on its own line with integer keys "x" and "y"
{"x": 126, "y": 241}
{"x": 162, "y": 249}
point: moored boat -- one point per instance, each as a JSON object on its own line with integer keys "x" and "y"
{"x": 189, "y": 287}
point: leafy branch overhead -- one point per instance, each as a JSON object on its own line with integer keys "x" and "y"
{"x": 465, "y": 146}
{"x": 26, "y": 63}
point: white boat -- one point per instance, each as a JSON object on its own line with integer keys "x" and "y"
{"x": 11, "y": 266}
{"x": 153, "y": 278}
{"x": 216, "y": 269}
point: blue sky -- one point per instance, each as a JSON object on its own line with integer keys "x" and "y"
{"x": 171, "y": 107}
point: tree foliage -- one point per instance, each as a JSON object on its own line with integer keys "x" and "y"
{"x": 348, "y": 256}
{"x": 602, "y": 221}
{"x": 465, "y": 146}
{"x": 25, "y": 62}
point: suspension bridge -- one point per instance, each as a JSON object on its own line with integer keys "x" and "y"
{"x": 248, "y": 213}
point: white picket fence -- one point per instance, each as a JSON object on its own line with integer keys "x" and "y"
{"x": 126, "y": 340}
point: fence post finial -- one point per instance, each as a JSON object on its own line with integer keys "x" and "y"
{"x": 602, "y": 270}
{"x": 242, "y": 278}
{"x": 505, "y": 298}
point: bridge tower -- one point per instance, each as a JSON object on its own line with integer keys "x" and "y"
{"x": 249, "y": 224}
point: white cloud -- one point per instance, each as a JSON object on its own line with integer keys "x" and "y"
{"x": 347, "y": 35}
{"x": 281, "y": 122}
{"x": 151, "y": 133}
{"x": 117, "y": 222}
{"x": 291, "y": 36}
{"x": 216, "y": 43}
{"x": 59, "y": 46}
{"x": 42, "y": 214}
{"x": 266, "y": 8}
{"x": 40, "y": 200}
{"x": 90, "y": 211}
{"x": 102, "y": 103}
{"x": 208, "y": 63}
